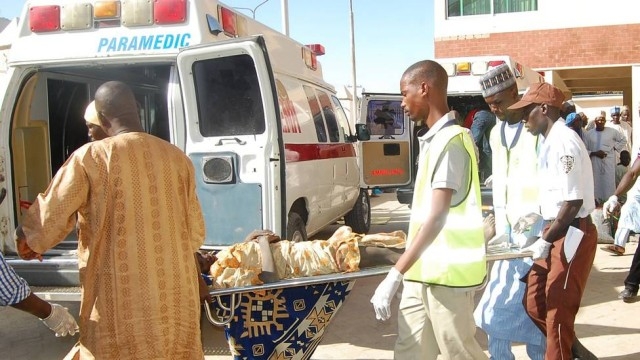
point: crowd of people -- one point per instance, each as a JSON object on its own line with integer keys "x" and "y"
{"x": 141, "y": 280}
{"x": 557, "y": 169}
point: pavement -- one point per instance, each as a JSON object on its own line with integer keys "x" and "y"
{"x": 605, "y": 325}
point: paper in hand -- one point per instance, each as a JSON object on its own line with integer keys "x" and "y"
{"x": 571, "y": 242}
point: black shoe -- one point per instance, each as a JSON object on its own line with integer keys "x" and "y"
{"x": 627, "y": 295}
{"x": 580, "y": 352}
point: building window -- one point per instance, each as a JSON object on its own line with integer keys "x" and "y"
{"x": 484, "y": 7}
{"x": 510, "y": 6}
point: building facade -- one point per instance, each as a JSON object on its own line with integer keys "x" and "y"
{"x": 583, "y": 46}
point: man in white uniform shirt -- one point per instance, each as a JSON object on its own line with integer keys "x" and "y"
{"x": 564, "y": 254}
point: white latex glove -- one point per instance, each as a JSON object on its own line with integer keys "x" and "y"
{"x": 488, "y": 182}
{"x": 61, "y": 322}
{"x": 610, "y": 206}
{"x": 381, "y": 299}
{"x": 540, "y": 249}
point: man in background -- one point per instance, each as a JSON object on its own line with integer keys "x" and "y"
{"x": 629, "y": 221}
{"x": 500, "y": 312}
{"x": 602, "y": 143}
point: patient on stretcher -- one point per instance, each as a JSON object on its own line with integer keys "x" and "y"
{"x": 263, "y": 257}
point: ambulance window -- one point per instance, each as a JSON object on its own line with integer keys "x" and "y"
{"x": 316, "y": 113}
{"x": 67, "y": 101}
{"x": 385, "y": 117}
{"x": 228, "y": 96}
{"x": 342, "y": 119}
{"x": 329, "y": 117}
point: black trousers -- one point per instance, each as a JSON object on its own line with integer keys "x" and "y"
{"x": 633, "y": 279}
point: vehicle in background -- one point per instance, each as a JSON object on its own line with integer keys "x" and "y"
{"x": 269, "y": 140}
{"x": 386, "y": 157}
{"x": 464, "y": 96}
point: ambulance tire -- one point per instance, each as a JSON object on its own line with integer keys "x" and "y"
{"x": 296, "y": 229}
{"x": 359, "y": 218}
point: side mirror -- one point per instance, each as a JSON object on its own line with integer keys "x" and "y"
{"x": 362, "y": 132}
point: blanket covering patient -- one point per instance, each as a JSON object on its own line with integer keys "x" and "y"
{"x": 345, "y": 251}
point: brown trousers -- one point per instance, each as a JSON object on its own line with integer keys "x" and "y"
{"x": 555, "y": 288}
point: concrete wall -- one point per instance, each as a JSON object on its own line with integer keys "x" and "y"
{"x": 551, "y": 14}
{"x": 592, "y": 105}
{"x": 555, "y": 48}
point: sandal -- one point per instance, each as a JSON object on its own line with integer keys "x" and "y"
{"x": 614, "y": 249}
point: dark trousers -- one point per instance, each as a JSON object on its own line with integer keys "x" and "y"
{"x": 633, "y": 279}
{"x": 555, "y": 288}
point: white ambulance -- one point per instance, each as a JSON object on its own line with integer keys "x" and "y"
{"x": 269, "y": 140}
{"x": 389, "y": 157}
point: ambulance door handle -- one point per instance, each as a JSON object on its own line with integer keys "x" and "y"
{"x": 239, "y": 141}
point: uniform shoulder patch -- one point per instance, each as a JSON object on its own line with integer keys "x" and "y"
{"x": 567, "y": 163}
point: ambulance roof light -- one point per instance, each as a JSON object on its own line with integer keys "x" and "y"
{"x": 479, "y": 67}
{"x": 76, "y": 16}
{"x": 44, "y": 18}
{"x": 309, "y": 58}
{"x": 106, "y": 9}
{"x": 450, "y": 68}
{"x": 494, "y": 63}
{"x": 228, "y": 20}
{"x": 317, "y": 49}
{"x": 169, "y": 11}
{"x": 463, "y": 68}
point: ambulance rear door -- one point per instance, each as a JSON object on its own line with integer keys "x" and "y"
{"x": 385, "y": 158}
{"x": 232, "y": 138}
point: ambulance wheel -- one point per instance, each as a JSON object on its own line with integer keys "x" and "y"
{"x": 359, "y": 218}
{"x": 296, "y": 229}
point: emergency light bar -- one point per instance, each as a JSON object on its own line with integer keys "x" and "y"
{"x": 316, "y": 48}
{"x": 310, "y": 58}
{"x": 466, "y": 68}
{"x": 85, "y": 15}
{"x": 232, "y": 24}
{"x": 44, "y": 18}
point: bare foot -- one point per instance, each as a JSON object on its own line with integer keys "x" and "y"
{"x": 489, "y": 227}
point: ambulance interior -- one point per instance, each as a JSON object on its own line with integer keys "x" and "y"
{"x": 48, "y": 122}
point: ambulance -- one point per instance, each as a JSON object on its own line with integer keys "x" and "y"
{"x": 390, "y": 156}
{"x": 268, "y": 137}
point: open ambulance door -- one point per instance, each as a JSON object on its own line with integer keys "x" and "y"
{"x": 385, "y": 159}
{"x": 232, "y": 127}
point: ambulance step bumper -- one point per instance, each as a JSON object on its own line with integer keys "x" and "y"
{"x": 53, "y": 293}
{"x": 52, "y": 271}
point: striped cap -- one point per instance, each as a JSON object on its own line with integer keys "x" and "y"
{"x": 496, "y": 80}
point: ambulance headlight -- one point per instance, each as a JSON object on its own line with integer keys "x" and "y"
{"x": 218, "y": 169}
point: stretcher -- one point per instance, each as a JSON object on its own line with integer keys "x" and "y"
{"x": 288, "y": 318}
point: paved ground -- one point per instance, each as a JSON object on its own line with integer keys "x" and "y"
{"x": 607, "y": 326}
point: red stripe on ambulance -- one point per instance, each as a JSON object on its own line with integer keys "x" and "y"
{"x": 308, "y": 152}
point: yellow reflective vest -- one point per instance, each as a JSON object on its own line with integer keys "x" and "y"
{"x": 456, "y": 257}
{"x": 515, "y": 182}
